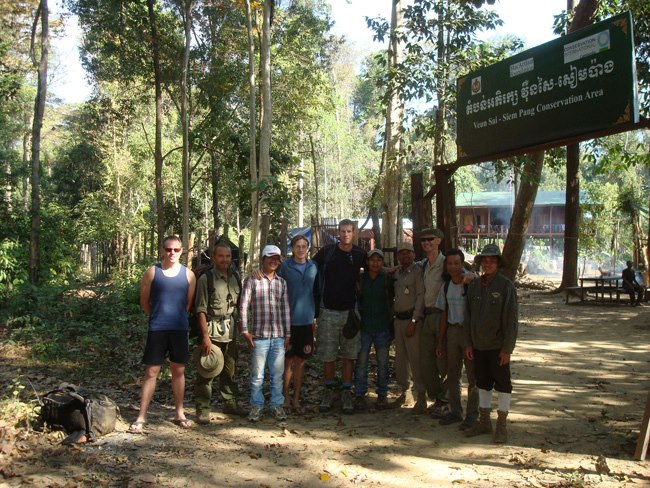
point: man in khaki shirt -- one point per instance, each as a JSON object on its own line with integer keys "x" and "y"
{"x": 432, "y": 368}
{"x": 408, "y": 309}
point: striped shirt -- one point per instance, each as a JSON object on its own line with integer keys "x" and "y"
{"x": 264, "y": 307}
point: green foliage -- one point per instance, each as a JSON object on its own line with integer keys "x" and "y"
{"x": 98, "y": 325}
{"x": 13, "y": 273}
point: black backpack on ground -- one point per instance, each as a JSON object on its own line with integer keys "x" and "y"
{"x": 65, "y": 408}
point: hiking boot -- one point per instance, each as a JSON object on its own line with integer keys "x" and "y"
{"x": 202, "y": 417}
{"x": 406, "y": 398}
{"x": 484, "y": 424}
{"x": 326, "y": 401}
{"x": 348, "y": 405}
{"x": 450, "y": 418}
{"x": 360, "y": 403}
{"x": 232, "y": 408}
{"x": 421, "y": 405}
{"x": 468, "y": 423}
{"x": 255, "y": 414}
{"x": 279, "y": 413}
{"x": 500, "y": 433}
{"x": 382, "y": 402}
{"x": 439, "y": 410}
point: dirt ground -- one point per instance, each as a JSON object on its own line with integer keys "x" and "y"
{"x": 580, "y": 377}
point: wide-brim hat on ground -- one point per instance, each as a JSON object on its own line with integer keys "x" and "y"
{"x": 489, "y": 250}
{"x": 431, "y": 232}
{"x": 208, "y": 366}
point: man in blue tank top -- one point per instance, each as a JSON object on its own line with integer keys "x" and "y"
{"x": 166, "y": 292}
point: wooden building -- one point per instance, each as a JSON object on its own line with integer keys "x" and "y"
{"x": 486, "y": 216}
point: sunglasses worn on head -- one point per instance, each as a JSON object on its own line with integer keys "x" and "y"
{"x": 175, "y": 249}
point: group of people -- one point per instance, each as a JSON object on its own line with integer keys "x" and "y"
{"x": 439, "y": 316}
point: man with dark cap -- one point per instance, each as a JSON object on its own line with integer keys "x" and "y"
{"x": 491, "y": 322}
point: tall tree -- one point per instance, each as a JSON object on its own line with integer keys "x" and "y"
{"x": 583, "y": 16}
{"x": 158, "y": 156}
{"x": 252, "y": 142}
{"x": 522, "y": 210}
{"x": 42, "y": 14}
{"x": 392, "y": 154}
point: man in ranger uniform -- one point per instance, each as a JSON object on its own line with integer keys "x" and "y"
{"x": 408, "y": 308}
{"x": 216, "y": 309}
{"x": 491, "y": 322}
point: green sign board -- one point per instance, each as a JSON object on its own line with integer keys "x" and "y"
{"x": 574, "y": 85}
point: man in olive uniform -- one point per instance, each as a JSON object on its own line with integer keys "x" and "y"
{"x": 216, "y": 315}
{"x": 408, "y": 311}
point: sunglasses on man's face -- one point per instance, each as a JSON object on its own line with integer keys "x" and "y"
{"x": 174, "y": 249}
{"x": 427, "y": 239}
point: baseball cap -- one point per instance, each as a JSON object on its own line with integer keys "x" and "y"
{"x": 271, "y": 250}
{"x": 379, "y": 252}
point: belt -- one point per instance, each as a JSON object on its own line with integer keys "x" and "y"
{"x": 221, "y": 317}
{"x": 429, "y": 310}
{"x": 451, "y": 325}
{"x": 404, "y": 315}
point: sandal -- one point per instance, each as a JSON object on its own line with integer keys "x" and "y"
{"x": 137, "y": 427}
{"x": 183, "y": 423}
{"x": 299, "y": 409}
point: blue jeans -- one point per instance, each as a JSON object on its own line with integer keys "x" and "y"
{"x": 381, "y": 340}
{"x": 273, "y": 350}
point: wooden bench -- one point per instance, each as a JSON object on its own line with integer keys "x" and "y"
{"x": 623, "y": 291}
{"x": 579, "y": 291}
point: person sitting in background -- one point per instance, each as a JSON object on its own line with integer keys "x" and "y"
{"x": 631, "y": 284}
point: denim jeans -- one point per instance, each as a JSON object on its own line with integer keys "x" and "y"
{"x": 273, "y": 350}
{"x": 381, "y": 340}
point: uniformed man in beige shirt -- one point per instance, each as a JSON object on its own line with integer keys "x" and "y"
{"x": 408, "y": 310}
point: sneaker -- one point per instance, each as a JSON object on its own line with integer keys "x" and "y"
{"x": 348, "y": 405}
{"x": 255, "y": 414}
{"x": 382, "y": 402}
{"x": 360, "y": 403}
{"x": 279, "y": 413}
{"x": 450, "y": 418}
{"x": 326, "y": 401}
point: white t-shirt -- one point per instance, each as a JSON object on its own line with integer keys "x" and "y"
{"x": 456, "y": 300}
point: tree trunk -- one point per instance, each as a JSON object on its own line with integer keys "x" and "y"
{"x": 39, "y": 111}
{"x": 392, "y": 228}
{"x": 254, "y": 251}
{"x": 441, "y": 95}
{"x": 313, "y": 160}
{"x": 214, "y": 171}
{"x": 583, "y": 17}
{"x": 185, "y": 125}
{"x": 266, "y": 115}
{"x": 524, "y": 203}
{"x": 26, "y": 163}
{"x": 158, "y": 157}
{"x": 7, "y": 188}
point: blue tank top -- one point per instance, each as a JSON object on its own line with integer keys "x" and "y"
{"x": 168, "y": 300}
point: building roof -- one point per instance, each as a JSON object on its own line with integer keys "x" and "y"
{"x": 507, "y": 199}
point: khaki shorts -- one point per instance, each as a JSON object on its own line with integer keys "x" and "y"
{"x": 330, "y": 339}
